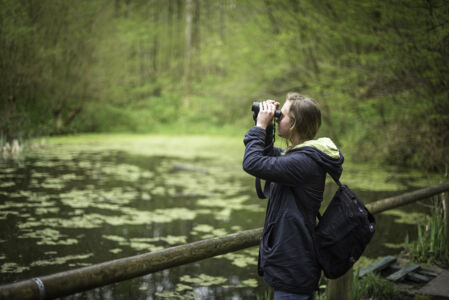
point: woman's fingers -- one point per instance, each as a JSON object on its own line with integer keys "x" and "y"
{"x": 267, "y": 110}
{"x": 266, "y": 114}
{"x": 269, "y": 106}
{"x": 274, "y": 102}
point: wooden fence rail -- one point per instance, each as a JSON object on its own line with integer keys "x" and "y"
{"x": 401, "y": 200}
{"x": 77, "y": 280}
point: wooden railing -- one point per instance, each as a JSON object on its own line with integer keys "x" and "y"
{"x": 77, "y": 280}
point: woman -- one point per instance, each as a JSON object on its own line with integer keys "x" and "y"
{"x": 286, "y": 256}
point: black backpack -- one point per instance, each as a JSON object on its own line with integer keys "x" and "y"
{"x": 342, "y": 233}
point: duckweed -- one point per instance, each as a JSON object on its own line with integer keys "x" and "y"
{"x": 147, "y": 244}
{"x": 403, "y": 217}
{"x": 204, "y": 280}
{"x": 12, "y": 267}
{"x": 60, "y": 260}
{"x": 242, "y": 258}
{"x": 52, "y": 183}
{"x": 182, "y": 287}
{"x": 49, "y": 236}
{"x": 176, "y": 295}
{"x": 250, "y": 283}
{"x": 115, "y": 251}
{"x": 206, "y": 231}
{"x": 6, "y": 184}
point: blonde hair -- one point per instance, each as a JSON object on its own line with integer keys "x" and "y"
{"x": 305, "y": 118}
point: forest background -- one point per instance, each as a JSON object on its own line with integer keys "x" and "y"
{"x": 379, "y": 69}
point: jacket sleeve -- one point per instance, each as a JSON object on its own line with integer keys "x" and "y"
{"x": 290, "y": 169}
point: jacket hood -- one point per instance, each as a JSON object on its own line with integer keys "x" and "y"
{"x": 325, "y": 153}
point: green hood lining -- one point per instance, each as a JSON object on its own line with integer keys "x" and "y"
{"x": 324, "y": 144}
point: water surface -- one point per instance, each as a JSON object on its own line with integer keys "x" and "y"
{"x": 77, "y": 201}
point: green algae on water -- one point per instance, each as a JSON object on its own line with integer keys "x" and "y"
{"x": 7, "y": 184}
{"x": 402, "y": 217}
{"x": 204, "y": 280}
{"x": 12, "y": 267}
{"x": 242, "y": 258}
{"x": 371, "y": 177}
{"x": 148, "y": 244}
{"x": 48, "y": 236}
{"x": 60, "y": 260}
{"x": 177, "y": 295}
{"x": 207, "y": 231}
{"x": 115, "y": 250}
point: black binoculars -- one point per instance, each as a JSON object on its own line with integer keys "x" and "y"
{"x": 255, "y": 109}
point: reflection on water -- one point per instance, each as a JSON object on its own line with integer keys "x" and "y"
{"x": 72, "y": 205}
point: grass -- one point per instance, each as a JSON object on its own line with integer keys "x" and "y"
{"x": 267, "y": 295}
{"x": 377, "y": 287}
{"x": 432, "y": 245}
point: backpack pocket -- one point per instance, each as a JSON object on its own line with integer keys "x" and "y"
{"x": 338, "y": 221}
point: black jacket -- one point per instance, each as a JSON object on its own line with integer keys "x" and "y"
{"x": 286, "y": 256}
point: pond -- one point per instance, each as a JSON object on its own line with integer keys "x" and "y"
{"x": 76, "y": 201}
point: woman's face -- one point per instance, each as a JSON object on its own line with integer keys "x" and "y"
{"x": 284, "y": 120}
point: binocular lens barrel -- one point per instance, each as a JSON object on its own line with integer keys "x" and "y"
{"x": 255, "y": 108}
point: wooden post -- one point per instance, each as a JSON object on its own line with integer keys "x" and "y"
{"x": 340, "y": 288}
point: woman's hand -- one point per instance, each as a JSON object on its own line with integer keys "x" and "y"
{"x": 266, "y": 113}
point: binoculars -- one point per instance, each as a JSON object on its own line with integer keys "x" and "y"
{"x": 255, "y": 108}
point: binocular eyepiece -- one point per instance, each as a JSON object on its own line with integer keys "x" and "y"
{"x": 255, "y": 108}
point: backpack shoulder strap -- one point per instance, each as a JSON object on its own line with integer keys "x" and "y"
{"x": 335, "y": 179}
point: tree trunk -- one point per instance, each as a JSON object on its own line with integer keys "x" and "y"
{"x": 59, "y": 122}
{"x": 170, "y": 32}
{"x": 222, "y": 4}
{"x": 72, "y": 115}
{"x": 155, "y": 43}
{"x": 188, "y": 51}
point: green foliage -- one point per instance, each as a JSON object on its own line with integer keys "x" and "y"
{"x": 356, "y": 286}
{"x": 267, "y": 295}
{"x": 378, "y": 69}
{"x": 431, "y": 245}
{"x": 45, "y": 58}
